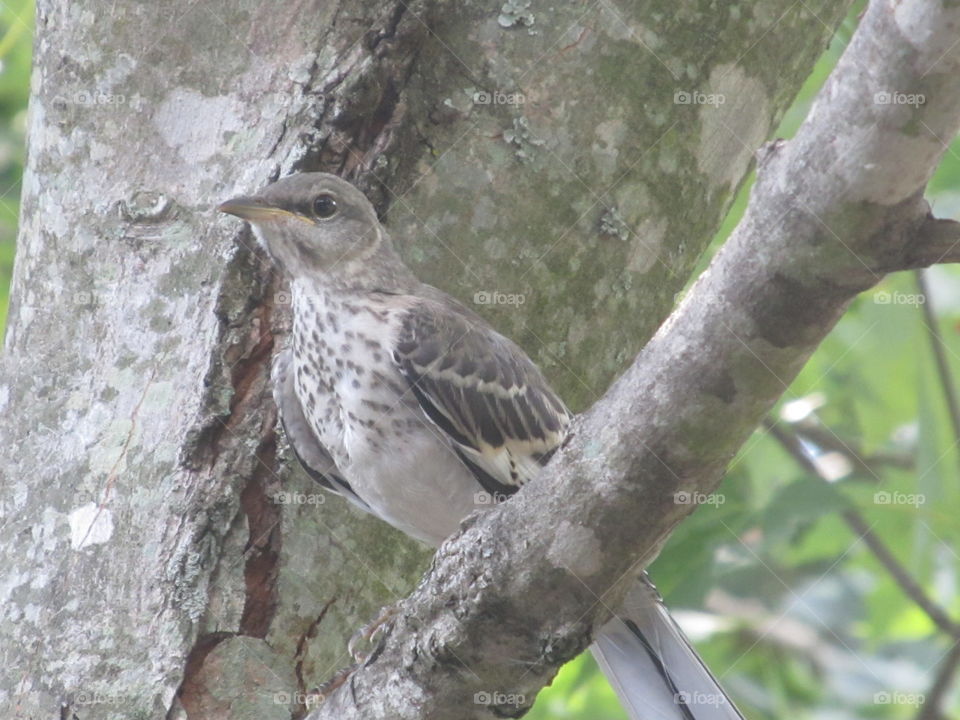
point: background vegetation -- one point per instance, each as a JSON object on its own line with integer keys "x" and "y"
{"x": 780, "y": 578}
{"x": 16, "y": 39}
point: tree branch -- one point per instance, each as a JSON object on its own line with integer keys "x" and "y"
{"x": 940, "y": 357}
{"x": 900, "y": 575}
{"x": 938, "y": 241}
{"x": 519, "y": 591}
{"x": 941, "y": 685}
{"x": 866, "y": 465}
{"x": 791, "y": 443}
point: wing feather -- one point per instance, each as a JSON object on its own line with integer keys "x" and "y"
{"x": 481, "y": 390}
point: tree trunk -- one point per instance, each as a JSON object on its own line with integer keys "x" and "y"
{"x": 562, "y": 167}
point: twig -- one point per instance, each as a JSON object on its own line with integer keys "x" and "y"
{"x": 857, "y": 523}
{"x": 938, "y": 241}
{"x": 899, "y": 573}
{"x": 937, "y": 345}
{"x": 831, "y": 440}
{"x": 931, "y": 705}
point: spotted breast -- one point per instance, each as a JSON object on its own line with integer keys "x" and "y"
{"x": 361, "y": 409}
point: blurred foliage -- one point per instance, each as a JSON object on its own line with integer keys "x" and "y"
{"x": 16, "y": 41}
{"x": 795, "y": 614}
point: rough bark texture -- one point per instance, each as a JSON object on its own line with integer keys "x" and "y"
{"x": 831, "y": 213}
{"x": 151, "y": 564}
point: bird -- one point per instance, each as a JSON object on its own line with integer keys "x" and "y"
{"x": 398, "y": 397}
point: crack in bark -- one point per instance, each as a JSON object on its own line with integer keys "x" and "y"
{"x": 374, "y": 38}
{"x": 246, "y": 359}
{"x": 246, "y": 335}
{"x": 262, "y": 566}
{"x": 300, "y": 655}
{"x": 357, "y": 128}
{"x": 192, "y": 689}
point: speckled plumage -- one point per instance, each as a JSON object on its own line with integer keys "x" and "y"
{"x": 410, "y": 405}
{"x": 361, "y": 409}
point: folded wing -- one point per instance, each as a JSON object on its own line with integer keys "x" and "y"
{"x": 482, "y": 391}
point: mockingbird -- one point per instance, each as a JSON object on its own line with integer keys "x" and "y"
{"x": 398, "y": 397}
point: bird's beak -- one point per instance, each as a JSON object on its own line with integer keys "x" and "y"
{"x": 250, "y": 208}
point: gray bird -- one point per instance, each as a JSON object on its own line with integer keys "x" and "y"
{"x": 401, "y": 399}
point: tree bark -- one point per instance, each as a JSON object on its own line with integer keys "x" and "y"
{"x": 161, "y": 557}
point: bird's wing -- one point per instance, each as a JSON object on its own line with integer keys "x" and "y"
{"x": 309, "y": 451}
{"x": 481, "y": 390}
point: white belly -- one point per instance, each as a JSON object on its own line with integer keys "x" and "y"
{"x": 416, "y": 483}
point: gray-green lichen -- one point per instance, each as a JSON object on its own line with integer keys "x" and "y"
{"x": 523, "y": 139}
{"x": 613, "y": 225}
{"x": 515, "y": 12}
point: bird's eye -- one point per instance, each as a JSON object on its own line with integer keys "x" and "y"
{"x": 324, "y": 206}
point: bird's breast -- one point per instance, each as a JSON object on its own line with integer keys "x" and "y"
{"x": 361, "y": 410}
{"x": 352, "y": 394}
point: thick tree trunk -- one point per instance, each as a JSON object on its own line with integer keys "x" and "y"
{"x": 160, "y": 557}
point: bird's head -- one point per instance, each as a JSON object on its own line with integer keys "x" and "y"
{"x": 311, "y": 223}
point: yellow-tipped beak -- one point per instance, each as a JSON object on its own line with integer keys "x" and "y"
{"x": 251, "y": 209}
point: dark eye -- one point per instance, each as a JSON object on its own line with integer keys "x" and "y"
{"x": 324, "y": 206}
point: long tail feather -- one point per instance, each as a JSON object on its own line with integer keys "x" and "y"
{"x": 654, "y": 670}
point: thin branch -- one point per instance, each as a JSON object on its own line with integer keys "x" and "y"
{"x": 938, "y": 241}
{"x": 936, "y": 346}
{"x": 941, "y": 685}
{"x": 856, "y": 522}
{"x": 899, "y": 573}
{"x": 791, "y": 443}
{"x": 866, "y": 464}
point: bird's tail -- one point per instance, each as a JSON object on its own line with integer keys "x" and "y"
{"x": 653, "y": 668}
